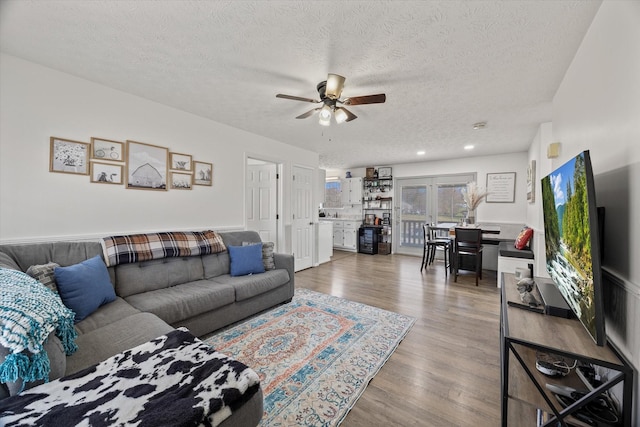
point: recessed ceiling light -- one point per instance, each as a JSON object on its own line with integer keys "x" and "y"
{"x": 421, "y": 153}
{"x": 479, "y": 125}
{"x": 468, "y": 147}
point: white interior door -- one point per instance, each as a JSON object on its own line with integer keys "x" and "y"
{"x": 302, "y": 224}
{"x": 262, "y": 200}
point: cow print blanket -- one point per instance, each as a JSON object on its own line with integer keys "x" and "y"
{"x": 173, "y": 380}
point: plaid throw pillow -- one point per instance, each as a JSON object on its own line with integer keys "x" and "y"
{"x": 267, "y": 254}
{"x": 45, "y": 274}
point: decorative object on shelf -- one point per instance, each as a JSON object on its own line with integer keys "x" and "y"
{"x": 384, "y": 172}
{"x": 181, "y": 162}
{"x": 348, "y": 174}
{"x": 370, "y": 172}
{"x": 181, "y": 181}
{"x": 106, "y": 173}
{"x": 501, "y": 187}
{"x": 147, "y": 166}
{"x": 531, "y": 182}
{"x": 67, "y": 156}
{"x": 203, "y": 173}
{"x": 105, "y": 149}
{"x": 473, "y": 196}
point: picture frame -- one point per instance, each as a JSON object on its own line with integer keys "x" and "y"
{"x": 180, "y": 162}
{"x": 106, "y": 173}
{"x": 68, "y": 156}
{"x": 384, "y": 172}
{"x": 107, "y": 150}
{"x": 202, "y": 173}
{"x": 370, "y": 172}
{"x": 181, "y": 181}
{"x": 501, "y": 187}
{"x": 147, "y": 166}
{"x": 531, "y": 182}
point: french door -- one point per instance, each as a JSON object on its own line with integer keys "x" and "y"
{"x": 412, "y": 211}
{"x": 429, "y": 199}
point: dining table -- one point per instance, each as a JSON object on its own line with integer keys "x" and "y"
{"x": 490, "y": 230}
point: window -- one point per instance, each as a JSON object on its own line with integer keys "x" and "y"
{"x": 333, "y": 194}
{"x": 451, "y": 206}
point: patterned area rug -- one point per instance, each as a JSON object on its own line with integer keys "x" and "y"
{"x": 315, "y": 355}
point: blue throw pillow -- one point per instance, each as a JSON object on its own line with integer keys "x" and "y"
{"x": 246, "y": 260}
{"x": 84, "y": 287}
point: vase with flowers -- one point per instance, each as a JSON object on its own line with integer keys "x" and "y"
{"x": 473, "y": 196}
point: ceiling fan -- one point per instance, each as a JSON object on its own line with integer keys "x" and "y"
{"x": 330, "y": 91}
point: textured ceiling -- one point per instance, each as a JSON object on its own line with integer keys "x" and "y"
{"x": 443, "y": 65}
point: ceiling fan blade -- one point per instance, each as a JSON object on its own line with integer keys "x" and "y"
{"x": 308, "y": 113}
{"x": 367, "y": 99}
{"x": 335, "y": 84}
{"x": 297, "y": 98}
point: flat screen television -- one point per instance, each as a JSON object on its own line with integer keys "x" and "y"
{"x": 572, "y": 241}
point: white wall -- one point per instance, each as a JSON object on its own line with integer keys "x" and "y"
{"x": 37, "y": 103}
{"x": 597, "y": 108}
{"x": 535, "y": 219}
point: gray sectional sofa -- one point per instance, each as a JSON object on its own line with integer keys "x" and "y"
{"x": 154, "y": 297}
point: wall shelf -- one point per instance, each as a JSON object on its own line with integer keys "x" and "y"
{"x": 377, "y": 209}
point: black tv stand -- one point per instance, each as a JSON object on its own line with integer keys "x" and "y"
{"x": 525, "y": 396}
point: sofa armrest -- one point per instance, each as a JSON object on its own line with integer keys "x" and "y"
{"x": 286, "y": 261}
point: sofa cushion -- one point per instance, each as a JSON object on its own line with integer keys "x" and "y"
{"x": 64, "y": 253}
{"x": 215, "y": 265}
{"x": 507, "y": 249}
{"x": 250, "y": 286}
{"x": 137, "y": 278}
{"x": 98, "y": 345}
{"x": 246, "y": 260}
{"x": 45, "y": 274}
{"x": 105, "y": 315}
{"x": 85, "y": 286}
{"x": 183, "y": 301}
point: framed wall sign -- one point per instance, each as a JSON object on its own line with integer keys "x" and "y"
{"x": 501, "y": 187}
{"x": 384, "y": 172}
{"x": 531, "y": 182}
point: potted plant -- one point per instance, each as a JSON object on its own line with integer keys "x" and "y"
{"x": 473, "y": 196}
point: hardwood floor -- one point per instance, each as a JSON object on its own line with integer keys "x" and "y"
{"x": 446, "y": 372}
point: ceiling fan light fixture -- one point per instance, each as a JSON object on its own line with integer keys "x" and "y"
{"x": 340, "y": 115}
{"x": 325, "y": 116}
{"x": 335, "y": 83}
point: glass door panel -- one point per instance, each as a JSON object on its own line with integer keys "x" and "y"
{"x": 411, "y": 213}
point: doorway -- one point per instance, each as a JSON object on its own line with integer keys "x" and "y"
{"x": 262, "y": 199}
{"x": 429, "y": 199}
{"x": 302, "y": 236}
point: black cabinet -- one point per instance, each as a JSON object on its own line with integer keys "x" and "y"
{"x": 368, "y": 238}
